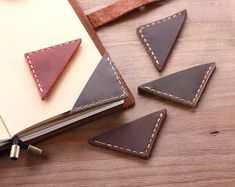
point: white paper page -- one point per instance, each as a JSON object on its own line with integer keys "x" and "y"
{"x": 28, "y": 25}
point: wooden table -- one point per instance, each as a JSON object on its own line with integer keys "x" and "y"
{"x": 187, "y": 152}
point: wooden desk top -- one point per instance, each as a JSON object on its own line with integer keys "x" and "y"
{"x": 187, "y": 153}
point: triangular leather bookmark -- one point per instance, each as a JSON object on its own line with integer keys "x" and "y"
{"x": 136, "y": 138}
{"x": 104, "y": 86}
{"x": 48, "y": 64}
{"x": 184, "y": 87}
{"x": 159, "y": 37}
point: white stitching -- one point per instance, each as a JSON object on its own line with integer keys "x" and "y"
{"x": 152, "y": 24}
{"x": 34, "y": 71}
{"x": 116, "y": 75}
{"x": 160, "y": 93}
{"x": 34, "y": 74}
{"x": 133, "y": 151}
{"x": 202, "y": 84}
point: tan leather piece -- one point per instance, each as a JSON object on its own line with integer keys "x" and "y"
{"x": 116, "y": 10}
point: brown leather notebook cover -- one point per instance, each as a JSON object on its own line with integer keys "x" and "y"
{"x": 128, "y": 97}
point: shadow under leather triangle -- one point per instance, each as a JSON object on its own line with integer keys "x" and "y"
{"x": 183, "y": 87}
{"x": 159, "y": 37}
{"x": 104, "y": 86}
{"x": 136, "y": 138}
{"x": 48, "y": 64}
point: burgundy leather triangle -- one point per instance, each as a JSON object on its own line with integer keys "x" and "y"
{"x": 136, "y": 138}
{"x": 159, "y": 37}
{"x": 184, "y": 87}
{"x": 48, "y": 64}
{"x": 104, "y": 86}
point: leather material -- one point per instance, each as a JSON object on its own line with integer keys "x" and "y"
{"x": 116, "y": 10}
{"x": 159, "y": 37}
{"x": 130, "y": 100}
{"x": 104, "y": 86}
{"x": 48, "y": 64}
{"x": 184, "y": 87}
{"x": 136, "y": 138}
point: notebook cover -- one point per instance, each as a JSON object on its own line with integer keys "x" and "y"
{"x": 128, "y": 102}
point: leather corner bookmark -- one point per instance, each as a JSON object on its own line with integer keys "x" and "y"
{"x": 160, "y": 36}
{"x": 48, "y": 64}
{"x": 136, "y": 138}
{"x": 104, "y": 86}
{"x": 184, "y": 87}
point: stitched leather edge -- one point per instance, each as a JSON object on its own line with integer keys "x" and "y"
{"x": 177, "y": 99}
{"x": 138, "y": 153}
{"x": 95, "y": 103}
{"x": 34, "y": 70}
{"x": 146, "y": 42}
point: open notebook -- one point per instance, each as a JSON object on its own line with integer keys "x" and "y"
{"x": 36, "y": 24}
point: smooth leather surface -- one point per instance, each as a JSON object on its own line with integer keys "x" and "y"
{"x": 103, "y": 87}
{"x": 136, "y": 138}
{"x": 48, "y": 64}
{"x": 184, "y": 87}
{"x": 159, "y": 37}
{"x": 116, "y": 10}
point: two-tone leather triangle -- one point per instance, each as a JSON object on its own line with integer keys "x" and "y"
{"x": 104, "y": 86}
{"x": 48, "y": 64}
{"x": 136, "y": 138}
{"x": 184, "y": 87}
{"x": 160, "y": 36}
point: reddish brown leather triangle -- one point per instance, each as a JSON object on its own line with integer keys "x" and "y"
{"x": 184, "y": 87}
{"x": 136, "y": 138}
{"x": 159, "y": 37}
{"x": 48, "y": 64}
{"x": 104, "y": 86}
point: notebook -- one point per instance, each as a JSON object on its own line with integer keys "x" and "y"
{"x": 90, "y": 87}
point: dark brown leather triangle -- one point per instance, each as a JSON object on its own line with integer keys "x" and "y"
{"x": 159, "y": 37}
{"x": 48, "y": 64}
{"x": 104, "y": 86}
{"x": 136, "y": 138}
{"x": 183, "y": 87}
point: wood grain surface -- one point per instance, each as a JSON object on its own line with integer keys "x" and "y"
{"x": 194, "y": 147}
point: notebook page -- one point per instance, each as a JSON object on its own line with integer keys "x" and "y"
{"x": 31, "y": 25}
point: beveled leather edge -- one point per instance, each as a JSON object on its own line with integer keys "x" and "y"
{"x": 116, "y": 10}
{"x": 145, "y": 43}
{"x": 152, "y": 139}
{"x": 193, "y": 103}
